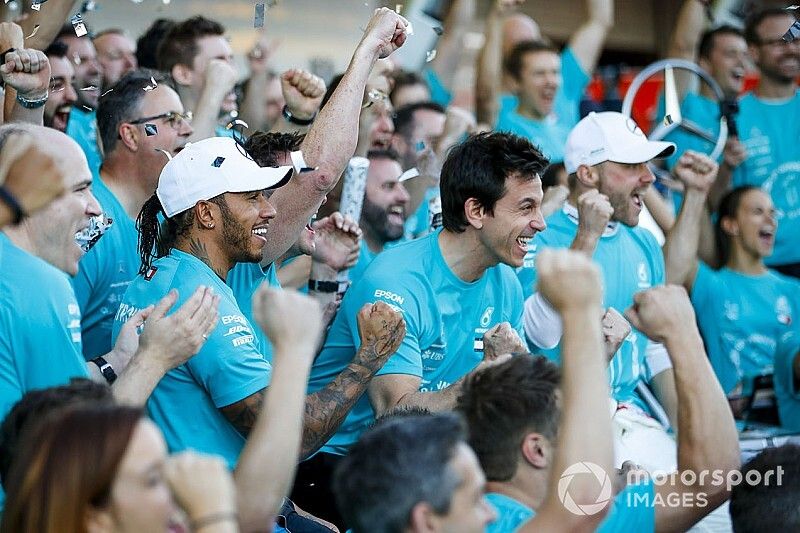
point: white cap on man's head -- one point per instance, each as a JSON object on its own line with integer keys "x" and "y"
{"x": 610, "y": 136}
{"x": 211, "y": 167}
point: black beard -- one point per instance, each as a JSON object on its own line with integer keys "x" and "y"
{"x": 376, "y": 218}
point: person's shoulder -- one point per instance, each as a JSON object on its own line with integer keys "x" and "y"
{"x": 788, "y": 282}
{"x": 643, "y": 236}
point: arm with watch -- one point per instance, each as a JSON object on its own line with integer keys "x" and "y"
{"x": 138, "y": 362}
{"x": 26, "y": 75}
{"x": 303, "y": 93}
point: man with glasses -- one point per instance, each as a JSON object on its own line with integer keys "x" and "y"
{"x": 769, "y": 127}
{"x": 142, "y": 124}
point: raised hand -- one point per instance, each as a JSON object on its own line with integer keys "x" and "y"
{"x": 501, "y": 339}
{"x": 696, "y": 171}
{"x": 385, "y": 32}
{"x": 662, "y": 313}
{"x": 221, "y": 76}
{"x": 615, "y": 330}
{"x": 289, "y": 319}
{"x": 303, "y": 92}
{"x": 382, "y": 330}
{"x": 734, "y": 153}
{"x": 594, "y": 212}
{"x": 32, "y": 176}
{"x": 554, "y": 198}
{"x": 568, "y": 280}
{"x": 337, "y": 240}
{"x": 177, "y": 337}
{"x": 27, "y": 71}
{"x": 202, "y": 486}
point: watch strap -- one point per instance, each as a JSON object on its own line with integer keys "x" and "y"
{"x": 328, "y": 286}
{"x": 105, "y": 369}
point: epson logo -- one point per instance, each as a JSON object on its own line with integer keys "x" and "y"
{"x": 380, "y": 293}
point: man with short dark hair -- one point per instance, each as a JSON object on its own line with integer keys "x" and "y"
{"x": 116, "y": 53}
{"x": 62, "y": 93}
{"x": 141, "y": 125}
{"x": 426, "y": 476}
{"x": 771, "y": 504}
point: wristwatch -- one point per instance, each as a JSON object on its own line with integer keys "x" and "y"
{"x": 105, "y": 369}
{"x": 328, "y": 286}
{"x": 34, "y": 103}
{"x": 297, "y": 121}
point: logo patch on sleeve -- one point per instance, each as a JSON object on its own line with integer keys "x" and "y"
{"x": 150, "y": 273}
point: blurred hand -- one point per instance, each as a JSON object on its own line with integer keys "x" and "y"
{"x": 27, "y": 71}
{"x": 458, "y": 122}
{"x": 554, "y": 198}
{"x": 32, "y": 176}
{"x": 221, "y": 76}
{"x": 382, "y": 330}
{"x": 568, "y": 280}
{"x": 11, "y": 36}
{"x": 734, "y": 153}
{"x": 258, "y": 57}
{"x": 202, "y": 485}
{"x": 662, "y": 313}
{"x": 594, "y": 212}
{"x": 385, "y": 32}
{"x": 615, "y": 330}
{"x": 696, "y": 171}
{"x": 337, "y": 241}
{"x": 501, "y": 339}
{"x": 289, "y": 319}
{"x": 303, "y": 92}
{"x": 177, "y": 337}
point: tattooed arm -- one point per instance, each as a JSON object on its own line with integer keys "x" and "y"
{"x": 381, "y": 330}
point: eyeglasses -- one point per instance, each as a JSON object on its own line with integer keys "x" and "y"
{"x": 780, "y": 42}
{"x": 173, "y": 118}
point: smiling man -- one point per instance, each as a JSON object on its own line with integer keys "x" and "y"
{"x": 137, "y": 127}
{"x": 62, "y": 94}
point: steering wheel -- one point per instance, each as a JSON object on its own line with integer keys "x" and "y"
{"x": 673, "y": 118}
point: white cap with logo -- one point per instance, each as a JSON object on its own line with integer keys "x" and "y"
{"x": 211, "y": 167}
{"x": 610, "y": 136}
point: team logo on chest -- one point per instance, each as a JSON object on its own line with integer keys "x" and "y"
{"x": 644, "y": 276}
{"x": 731, "y": 310}
{"x": 783, "y": 310}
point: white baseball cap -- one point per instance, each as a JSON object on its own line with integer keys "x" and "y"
{"x": 610, "y": 136}
{"x": 208, "y": 168}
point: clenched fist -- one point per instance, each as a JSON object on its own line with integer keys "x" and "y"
{"x": 381, "y": 329}
{"x": 501, "y": 339}
{"x": 303, "y": 92}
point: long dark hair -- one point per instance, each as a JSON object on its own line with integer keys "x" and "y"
{"x": 66, "y": 465}
{"x": 728, "y": 207}
{"x": 157, "y": 238}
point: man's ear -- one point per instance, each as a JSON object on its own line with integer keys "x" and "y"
{"x": 588, "y": 176}
{"x": 475, "y": 213}
{"x": 129, "y": 136}
{"x": 206, "y": 215}
{"x": 536, "y": 450}
{"x": 182, "y": 74}
{"x": 422, "y": 519}
{"x": 729, "y": 226}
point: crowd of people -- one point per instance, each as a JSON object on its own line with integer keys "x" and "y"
{"x": 442, "y": 300}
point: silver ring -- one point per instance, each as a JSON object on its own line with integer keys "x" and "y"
{"x": 205, "y": 337}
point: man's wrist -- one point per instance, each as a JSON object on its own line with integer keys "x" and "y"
{"x": 323, "y": 272}
{"x": 298, "y": 117}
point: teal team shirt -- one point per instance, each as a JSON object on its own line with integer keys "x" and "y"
{"x": 445, "y": 321}
{"x": 550, "y": 134}
{"x": 82, "y": 127}
{"x": 228, "y": 368}
{"x": 633, "y": 509}
{"x": 631, "y": 261}
{"x": 742, "y": 318}
{"x": 439, "y": 92}
{"x": 702, "y": 111}
{"x": 40, "y": 326}
{"x": 787, "y": 393}
{"x": 770, "y": 133}
{"x": 244, "y": 279}
{"x": 105, "y": 273}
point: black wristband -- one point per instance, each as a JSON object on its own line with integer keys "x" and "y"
{"x": 12, "y": 203}
{"x": 328, "y": 286}
{"x": 297, "y": 121}
{"x": 105, "y": 369}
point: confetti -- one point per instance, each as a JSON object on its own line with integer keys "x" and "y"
{"x": 374, "y": 96}
{"x": 87, "y": 108}
{"x": 237, "y": 124}
{"x": 36, "y": 5}
{"x": 218, "y": 162}
{"x": 166, "y": 2}
{"x": 152, "y": 86}
{"x": 420, "y": 146}
{"x": 105, "y": 93}
{"x": 88, "y": 237}
{"x": 438, "y": 30}
{"x": 430, "y": 56}
{"x": 398, "y": 8}
{"x": 792, "y": 8}
{"x": 258, "y": 20}
{"x": 169, "y": 155}
{"x": 80, "y": 27}
{"x": 88, "y": 5}
{"x": 793, "y": 33}
{"x": 13, "y": 6}
{"x": 668, "y": 120}
{"x": 150, "y": 130}
{"x": 89, "y": 88}
{"x": 35, "y": 29}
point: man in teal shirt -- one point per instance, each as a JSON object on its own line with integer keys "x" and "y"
{"x": 138, "y": 128}
{"x": 514, "y": 435}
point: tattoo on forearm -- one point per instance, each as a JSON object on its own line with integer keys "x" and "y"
{"x": 327, "y": 408}
{"x": 243, "y": 414}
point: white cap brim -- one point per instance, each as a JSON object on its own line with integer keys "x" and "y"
{"x": 644, "y": 152}
{"x": 260, "y": 179}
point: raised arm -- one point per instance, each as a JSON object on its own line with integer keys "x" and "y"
{"x": 49, "y": 19}
{"x": 587, "y": 41}
{"x": 267, "y": 464}
{"x": 572, "y": 283}
{"x": 449, "y": 47}
{"x": 489, "y": 78}
{"x": 220, "y": 78}
{"x": 697, "y": 172}
{"x": 332, "y": 139}
{"x": 381, "y": 330}
{"x": 685, "y": 38}
{"x": 26, "y": 74}
{"x": 707, "y": 438}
